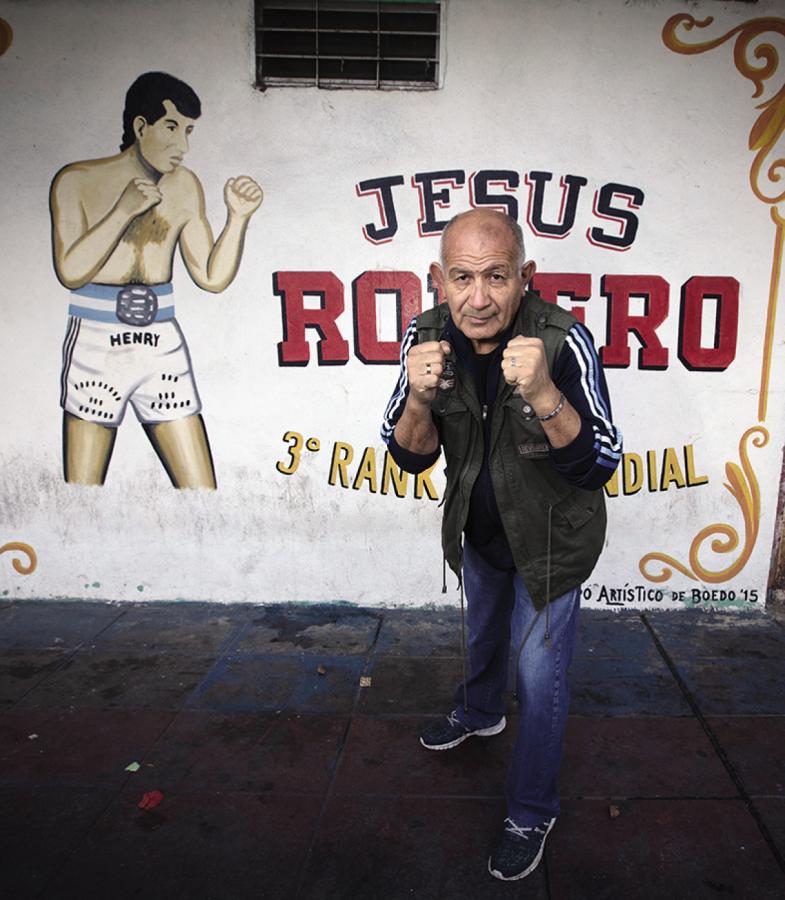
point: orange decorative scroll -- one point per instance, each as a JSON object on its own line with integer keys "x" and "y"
{"x": 758, "y": 61}
{"x": 743, "y": 486}
{"x": 19, "y": 547}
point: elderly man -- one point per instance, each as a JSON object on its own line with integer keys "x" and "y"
{"x": 511, "y": 389}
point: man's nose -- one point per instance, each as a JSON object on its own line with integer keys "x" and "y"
{"x": 479, "y": 295}
{"x": 182, "y": 142}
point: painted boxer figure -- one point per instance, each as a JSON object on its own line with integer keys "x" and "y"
{"x": 116, "y": 223}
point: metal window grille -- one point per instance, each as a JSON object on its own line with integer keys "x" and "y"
{"x": 348, "y": 43}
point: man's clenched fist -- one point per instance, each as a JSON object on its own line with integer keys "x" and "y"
{"x": 524, "y": 365}
{"x": 424, "y": 366}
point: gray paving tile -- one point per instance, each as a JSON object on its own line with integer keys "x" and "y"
{"x": 614, "y": 635}
{"x": 182, "y": 627}
{"x": 607, "y": 686}
{"x": 420, "y": 633}
{"x": 618, "y": 668}
{"x": 411, "y": 685}
{"x": 37, "y": 625}
{"x": 21, "y": 672}
{"x": 692, "y": 634}
{"x": 120, "y": 680}
{"x": 737, "y": 685}
{"x": 305, "y": 683}
{"x": 316, "y": 629}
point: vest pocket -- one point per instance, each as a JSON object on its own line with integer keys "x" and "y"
{"x": 527, "y": 435}
{"x": 455, "y": 428}
{"x": 579, "y": 507}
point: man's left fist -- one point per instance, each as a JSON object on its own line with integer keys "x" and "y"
{"x": 524, "y": 364}
{"x": 243, "y": 196}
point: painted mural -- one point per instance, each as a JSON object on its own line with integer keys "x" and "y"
{"x": 649, "y": 187}
{"x": 616, "y": 211}
{"x": 116, "y": 223}
{"x": 757, "y": 62}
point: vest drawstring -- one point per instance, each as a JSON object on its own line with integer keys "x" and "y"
{"x": 463, "y": 648}
{"x": 548, "y": 582}
{"x": 444, "y": 574}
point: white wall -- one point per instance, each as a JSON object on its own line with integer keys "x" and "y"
{"x": 580, "y": 88}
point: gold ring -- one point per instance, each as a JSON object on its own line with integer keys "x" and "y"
{"x": 427, "y": 368}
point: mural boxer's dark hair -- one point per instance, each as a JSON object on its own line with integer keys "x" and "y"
{"x": 146, "y": 98}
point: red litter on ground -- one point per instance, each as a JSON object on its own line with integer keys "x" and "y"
{"x": 150, "y": 800}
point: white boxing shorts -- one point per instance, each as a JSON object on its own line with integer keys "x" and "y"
{"x": 108, "y": 364}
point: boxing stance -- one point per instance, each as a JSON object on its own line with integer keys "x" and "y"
{"x": 116, "y": 223}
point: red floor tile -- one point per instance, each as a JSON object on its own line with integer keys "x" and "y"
{"x": 772, "y": 811}
{"x": 209, "y": 845}
{"x": 384, "y": 757}
{"x": 245, "y": 752}
{"x": 87, "y": 746}
{"x": 755, "y": 746}
{"x": 641, "y": 757}
{"x": 390, "y": 849}
{"x": 39, "y": 827}
{"x": 656, "y": 849}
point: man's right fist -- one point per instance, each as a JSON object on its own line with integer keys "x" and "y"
{"x": 424, "y": 366}
{"x": 139, "y": 195}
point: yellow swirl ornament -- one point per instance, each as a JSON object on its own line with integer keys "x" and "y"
{"x": 743, "y": 486}
{"x": 758, "y": 61}
{"x": 19, "y": 547}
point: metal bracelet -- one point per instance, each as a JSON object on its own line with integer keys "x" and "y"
{"x": 555, "y": 412}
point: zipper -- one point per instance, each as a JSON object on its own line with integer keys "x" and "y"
{"x": 484, "y": 411}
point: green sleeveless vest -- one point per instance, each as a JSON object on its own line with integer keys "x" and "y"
{"x": 555, "y": 530}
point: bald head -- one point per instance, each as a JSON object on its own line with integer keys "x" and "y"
{"x": 490, "y": 222}
{"x": 483, "y": 274}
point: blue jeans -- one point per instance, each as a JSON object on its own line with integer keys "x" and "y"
{"x": 499, "y": 609}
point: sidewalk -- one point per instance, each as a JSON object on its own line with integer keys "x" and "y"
{"x": 283, "y": 777}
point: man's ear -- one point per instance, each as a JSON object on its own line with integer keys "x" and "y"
{"x": 140, "y": 123}
{"x": 527, "y": 272}
{"x": 437, "y": 277}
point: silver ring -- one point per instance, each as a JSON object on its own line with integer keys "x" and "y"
{"x": 427, "y": 368}
{"x": 513, "y": 362}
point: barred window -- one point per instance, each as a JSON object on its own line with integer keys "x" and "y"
{"x": 380, "y": 44}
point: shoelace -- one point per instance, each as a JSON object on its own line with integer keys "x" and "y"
{"x": 521, "y": 831}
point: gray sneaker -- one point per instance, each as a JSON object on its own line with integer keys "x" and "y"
{"x": 520, "y": 850}
{"x": 446, "y": 733}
